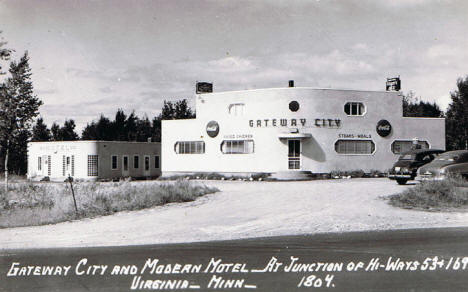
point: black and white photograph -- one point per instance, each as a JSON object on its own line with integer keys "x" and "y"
{"x": 233, "y": 145}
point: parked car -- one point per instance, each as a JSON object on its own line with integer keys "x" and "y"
{"x": 448, "y": 164}
{"x": 408, "y": 163}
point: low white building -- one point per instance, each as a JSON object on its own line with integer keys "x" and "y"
{"x": 286, "y": 130}
{"x": 93, "y": 160}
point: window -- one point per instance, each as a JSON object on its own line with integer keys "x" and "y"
{"x": 190, "y": 147}
{"x": 354, "y": 147}
{"x": 237, "y": 146}
{"x": 114, "y": 162}
{"x": 401, "y": 146}
{"x": 147, "y": 163}
{"x": 92, "y": 165}
{"x": 136, "y": 161}
{"x": 39, "y": 163}
{"x": 73, "y": 165}
{"x": 236, "y": 109}
{"x": 49, "y": 165}
{"x": 156, "y": 161}
{"x": 294, "y": 106}
{"x": 354, "y": 109}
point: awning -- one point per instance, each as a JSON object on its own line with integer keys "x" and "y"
{"x": 294, "y": 135}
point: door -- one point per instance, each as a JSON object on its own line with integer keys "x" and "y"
{"x": 68, "y": 167}
{"x": 125, "y": 171}
{"x": 146, "y": 171}
{"x": 294, "y": 154}
{"x": 43, "y": 165}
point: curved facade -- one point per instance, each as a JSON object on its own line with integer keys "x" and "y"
{"x": 294, "y": 129}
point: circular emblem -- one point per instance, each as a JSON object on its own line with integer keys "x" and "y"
{"x": 294, "y": 106}
{"x": 383, "y": 128}
{"x": 212, "y": 129}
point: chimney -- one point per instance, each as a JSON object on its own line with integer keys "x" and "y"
{"x": 291, "y": 83}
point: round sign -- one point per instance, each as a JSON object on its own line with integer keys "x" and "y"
{"x": 383, "y": 128}
{"x": 212, "y": 129}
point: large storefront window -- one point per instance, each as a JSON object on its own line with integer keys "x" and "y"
{"x": 354, "y": 109}
{"x": 237, "y": 146}
{"x": 354, "y": 147}
{"x": 190, "y": 147}
{"x": 400, "y": 146}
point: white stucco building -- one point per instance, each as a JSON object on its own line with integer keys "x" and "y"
{"x": 294, "y": 129}
{"x": 93, "y": 160}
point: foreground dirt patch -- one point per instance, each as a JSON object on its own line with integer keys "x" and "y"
{"x": 241, "y": 210}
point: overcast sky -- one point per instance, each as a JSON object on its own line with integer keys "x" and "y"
{"x": 93, "y": 57}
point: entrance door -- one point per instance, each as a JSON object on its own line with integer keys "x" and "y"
{"x": 68, "y": 168}
{"x": 146, "y": 171}
{"x": 125, "y": 171}
{"x": 294, "y": 154}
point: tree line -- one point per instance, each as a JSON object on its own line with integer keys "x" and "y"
{"x": 122, "y": 127}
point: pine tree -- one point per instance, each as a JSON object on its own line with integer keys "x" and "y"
{"x": 457, "y": 117}
{"x": 415, "y": 107}
{"x": 55, "y": 129}
{"x": 40, "y": 131}
{"x": 119, "y": 126}
{"x": 67, "y": 131}
{"x": 4, "y": 53}
{"x": 18, "y": 106}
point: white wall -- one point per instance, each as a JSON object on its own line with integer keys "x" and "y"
{"x": 318, "y": 152}
{"x": 80, "y": 151}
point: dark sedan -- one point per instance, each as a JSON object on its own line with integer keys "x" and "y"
{"x": 408, "y": 163}
{"x": 450, "y": 163}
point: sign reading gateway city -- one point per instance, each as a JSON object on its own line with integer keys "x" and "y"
{"x": 212, "y": 129}
{"x": 383, "y": 128}
{"x": 319, "y": 123}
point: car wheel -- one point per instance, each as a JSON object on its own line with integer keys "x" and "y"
{"x": 401, "y": 181}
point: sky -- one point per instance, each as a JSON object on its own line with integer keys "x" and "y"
{"x": 93, "y": 57}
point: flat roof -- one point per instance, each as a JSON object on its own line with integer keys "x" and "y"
{"x": 310, "y": 88}
{"x": 92, "y": 141}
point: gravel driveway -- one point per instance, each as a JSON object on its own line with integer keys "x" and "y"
{"x": 241, "y": 210}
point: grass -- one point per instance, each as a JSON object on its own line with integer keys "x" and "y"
{"x": 447, "y": 195}
{"x": 28, "y": 204}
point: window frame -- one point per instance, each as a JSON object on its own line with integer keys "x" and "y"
{"x": 89, "y": 170}
{"x": 158, "y": 164}
{"x": 429, "y": 146}
{"x": 136, "y": 162}
{"x": 189, "y": 143}
{"x": 244, "y": 147}
{"x": 236, "y": 106}
{"x": 356, "y": 154}
{"x": 116, "y": 162}
{"x": 364, "y": 112}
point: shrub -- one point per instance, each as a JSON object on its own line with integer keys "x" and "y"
{"x": 434, "y": 195}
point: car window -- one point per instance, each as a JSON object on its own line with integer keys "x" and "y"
{"x": 463, "y": 158}
{"x": 427, "y": 158}
{"x": 446, "y": 157}
{"x": 406, "y": 157}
